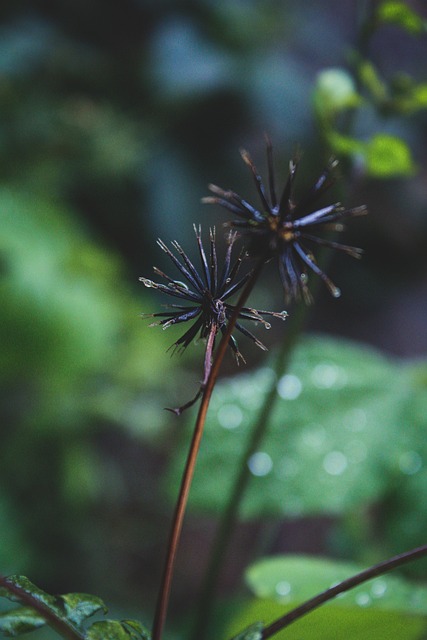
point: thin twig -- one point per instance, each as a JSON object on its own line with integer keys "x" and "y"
{"x": 342, "y": 587}
{"x": 164, "y": 593}
{"x": 64, "y": 628}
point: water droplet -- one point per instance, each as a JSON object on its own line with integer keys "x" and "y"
{"x": 229, "y": 416}
{"x": 325, "y": 376}
{"x": 363, "y": 599}
{"x": 283, "y": 588}
{"x": 260, "y": 464}
{"x": 378, "y": 588}
{"x": 410, "y": 462}
{"x": 336, "y": 292}
{"x": 180, "y": 285}
{"x": 289, "y": 387}
{"x": 146, "y": 282}
{"x": 355, "y": 420}
{"x": 335, "y": 463}
{"x": 267, "y": 325}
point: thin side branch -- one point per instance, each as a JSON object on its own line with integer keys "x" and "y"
{"x": 342, "y": 587}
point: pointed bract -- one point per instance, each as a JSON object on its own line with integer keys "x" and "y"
{"x": 204, "y": 295}
{"x": 281, "y": 227}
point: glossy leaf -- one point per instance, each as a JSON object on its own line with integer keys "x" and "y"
{"x": 383, "y": 608}
{"x": 79, "y": 606}
{"x": 335, "y": 441}
{"x": 298, "y": 578}
{"x": 20, "y": 620}
{"x": 115, "y": 630}
{"x": 332, "y": 623}
{"x": 26, "y": 585}
{"x": 335, "y": 91}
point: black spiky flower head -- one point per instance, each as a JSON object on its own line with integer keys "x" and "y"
{"x": 283, "y": 228}
{"x": 204, "y": 299}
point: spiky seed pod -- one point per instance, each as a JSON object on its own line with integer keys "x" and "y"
{"x": 204, "y": 296}
{"x": 282, "y": 228}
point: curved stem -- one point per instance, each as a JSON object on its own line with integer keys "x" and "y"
{"x": 64, "y": 628}
{"x": 342, "y": 587}
{"x": 164, "y": 593}
{"x": 230, "y": 515}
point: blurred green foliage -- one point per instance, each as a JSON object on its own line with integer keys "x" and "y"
{"x": 382, "y": 608}
{"x": 348, "y": 431}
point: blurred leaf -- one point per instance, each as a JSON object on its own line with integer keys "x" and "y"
{"x": 344, "y": 145}
{"x": 334, "y": 91}
{"x": 371, "y": 80}
{"x": 407, "y": 96}
{"x": 399, "y": 13}
{"x": 20, "y": 620}
{"x": 383, "y": 608}
{"x": 333, "y": 623}
{"x": 388, "y": 156}
{"x": 298, "y": 578}
{"x": 333, "y": 440}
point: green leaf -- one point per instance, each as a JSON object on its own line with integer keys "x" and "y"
{"x": 401, "y": 14}
{"x": 79, "y": 606}
{"x": 298, "y": 578}
{"x": 388, "y": 156}
{"x": 20, "y": 620}
{"x": 333, "y": 442}
{"x": 334, "y": 92}
{"x": 137, "y": 629}
{"x": 332, "y": 623}
{"x": 115, "y": 630}
{"x": 383, "y": 608}
{"x": 26, "y": 585}
{"x": 254, "y": 632}
{"x": 344, "y": 145}
{"x": 371, "y": 80}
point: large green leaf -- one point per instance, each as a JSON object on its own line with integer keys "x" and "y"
{"x": 383, "y": 608}
{"x": 338, "y": 434}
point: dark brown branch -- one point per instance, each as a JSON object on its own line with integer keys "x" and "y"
{"x": 342, "y": 587}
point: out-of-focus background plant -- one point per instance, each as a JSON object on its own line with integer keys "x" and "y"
{"x": 114, "y": 117}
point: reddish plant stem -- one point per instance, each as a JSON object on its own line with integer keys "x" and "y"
{"x": 178, "y": 518}
{"x": 342, "y": 587}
